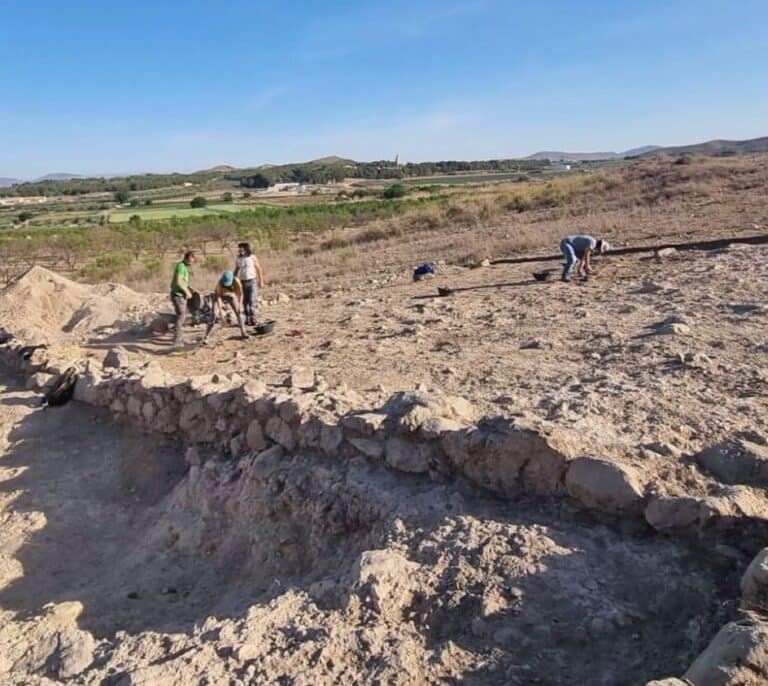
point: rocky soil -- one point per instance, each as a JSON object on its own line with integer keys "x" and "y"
{"x": 121, "y": 565}
{"x": 575, "y": 493}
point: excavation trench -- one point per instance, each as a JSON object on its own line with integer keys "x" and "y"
{"x": 199, "y": 560}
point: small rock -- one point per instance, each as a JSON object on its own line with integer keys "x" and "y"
{"x": 604, "y": 485}
{"x": 673, "y": 329}
{"x": 302, "y": 377}
{"x": 665, "y": 252}
{"x": 754, "y": 583}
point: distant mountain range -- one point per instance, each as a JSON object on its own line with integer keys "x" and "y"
{"x": 718, "y": 148}
{"x": 714, "y": 148}
{"x": 6, "y": 181}
{"x": 558, "y": 156}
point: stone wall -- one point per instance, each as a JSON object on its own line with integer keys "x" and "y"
{"x": 415, "y": 432}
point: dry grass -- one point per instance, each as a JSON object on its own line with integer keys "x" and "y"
{"x": 649, "y": 199}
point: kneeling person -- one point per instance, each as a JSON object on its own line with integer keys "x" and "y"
{"x": 228, "y": 291}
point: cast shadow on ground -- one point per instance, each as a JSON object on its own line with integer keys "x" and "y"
{"x": 100, "y": 488}
{"x": 453, "y": 291}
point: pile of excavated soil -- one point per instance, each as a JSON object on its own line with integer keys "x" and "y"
{"x": 122, "y": 565}
{"x": 44, "y": 307}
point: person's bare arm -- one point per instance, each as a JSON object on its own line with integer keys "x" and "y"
{"x": 588, "y": 260}
{"x": 584, "y": 265}
{"x": 259, "y": 272}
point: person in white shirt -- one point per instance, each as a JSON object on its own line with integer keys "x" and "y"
{"x": 248, "y": 270}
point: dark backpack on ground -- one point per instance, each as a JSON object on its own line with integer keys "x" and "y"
{"x": 62, "y": 390}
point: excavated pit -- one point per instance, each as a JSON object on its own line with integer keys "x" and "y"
{"x": 294, "y": 568}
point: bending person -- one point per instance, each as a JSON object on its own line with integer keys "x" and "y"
{"x": 577, "y": 251}
{"x": 229, "y": 292}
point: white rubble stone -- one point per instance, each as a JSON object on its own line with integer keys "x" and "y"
{"x": 302, "y": 378}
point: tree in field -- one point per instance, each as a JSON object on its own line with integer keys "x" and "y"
{"x": 396, "y": 190}
{"x": 256, "y": 181}
{"x": 226, "y": 197}
{"x": 122, "y": 196}
{"x": 24, "y": 216}
{"x": 135, "y": 220}
{"x": 199, "y": 201}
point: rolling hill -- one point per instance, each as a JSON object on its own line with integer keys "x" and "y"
{"x": 715, "y": 148}
{"x": 559, "y": 156}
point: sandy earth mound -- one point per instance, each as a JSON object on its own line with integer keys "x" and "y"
{"x": 44, "y": 307}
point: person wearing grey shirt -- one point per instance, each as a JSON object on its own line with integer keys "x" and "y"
{"x": 578, "y": 250}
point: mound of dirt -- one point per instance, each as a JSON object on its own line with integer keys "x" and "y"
{"x": 43, "y": 306}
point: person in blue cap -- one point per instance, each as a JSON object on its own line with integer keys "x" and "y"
{"x": 228, "y": 291}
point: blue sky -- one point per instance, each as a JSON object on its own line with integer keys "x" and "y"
{"x": 96, "y": 87}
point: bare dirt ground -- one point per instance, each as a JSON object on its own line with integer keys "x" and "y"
{"x": 122, "y": 563}
{"x": 120, "y": 569}
{"x": 649, "y": 352}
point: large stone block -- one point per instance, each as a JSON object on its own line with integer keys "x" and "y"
{"x": 604, "y": 485}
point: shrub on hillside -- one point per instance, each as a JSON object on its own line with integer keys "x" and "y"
{"x": 199, "y": 201}
{"x": 122, "y": 196}
{"x": 217, "y": 263}
{"x": 396, "y": 190}
{"x": 105, "y": 267}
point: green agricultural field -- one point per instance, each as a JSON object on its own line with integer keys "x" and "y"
{"x": 458, "y": 179}
{"x": 167, "y": 211}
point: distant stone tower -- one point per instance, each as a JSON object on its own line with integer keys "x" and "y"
{"x": 398, "y": 161}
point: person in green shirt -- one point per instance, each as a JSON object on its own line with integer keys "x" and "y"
{"x": 180, "y": 293}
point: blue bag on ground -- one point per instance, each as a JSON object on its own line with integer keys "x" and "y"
{"x": 423, "y": 270}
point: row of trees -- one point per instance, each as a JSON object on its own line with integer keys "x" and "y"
{"x": 310, "y": 172}
{"x": 326, "y": 173}
{"x": 81, "y": 186}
